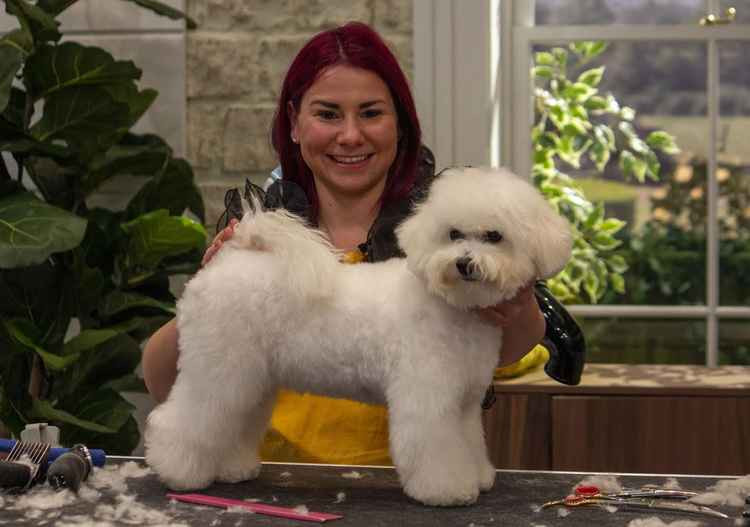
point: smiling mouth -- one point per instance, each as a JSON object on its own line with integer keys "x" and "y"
{"x": 350, "y": 160}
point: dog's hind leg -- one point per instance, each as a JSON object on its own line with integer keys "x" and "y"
{"x": 474, "y": 432}
{"x": 431, "y": 454}
{"x": 241, "y": 462}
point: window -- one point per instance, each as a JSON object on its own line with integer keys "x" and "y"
{"x": 687, "y": 234}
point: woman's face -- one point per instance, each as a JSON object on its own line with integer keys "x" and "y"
{"x": 347, "y": 130}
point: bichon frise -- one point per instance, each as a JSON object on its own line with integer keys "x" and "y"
{"x": 275, "y": 308}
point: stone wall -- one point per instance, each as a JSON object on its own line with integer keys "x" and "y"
{"x": 236, "y": 60}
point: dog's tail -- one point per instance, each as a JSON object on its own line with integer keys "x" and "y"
{"x": 302, "y": 254}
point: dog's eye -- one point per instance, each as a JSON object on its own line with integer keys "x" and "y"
{"x": 493, "y": 237}
{"x": 455, "y": 234}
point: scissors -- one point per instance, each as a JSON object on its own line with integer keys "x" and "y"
{"x": 646, "y": 498}
{"x": 592, "y": 491}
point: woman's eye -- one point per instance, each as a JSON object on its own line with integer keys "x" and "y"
{"x": 369, "y": 114}
{"x": 493, "y": 237}
{"x": 455, "y": 234}
{"x": 326, "y": 115}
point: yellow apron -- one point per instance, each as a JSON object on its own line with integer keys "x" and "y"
{"x": 308, "y": 428}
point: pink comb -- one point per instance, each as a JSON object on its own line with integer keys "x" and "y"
{"x": 258, "y": 508}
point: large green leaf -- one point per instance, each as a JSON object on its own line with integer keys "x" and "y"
{"x": 55, "y": 7}
{"x": 57, "y": 183}
{"x": 146, "y": 155}
{"x": 87, "y": 118}
{"x": 128, "y": 383}
{"x": 34, "y": 20}
{"x": 105, "y": 406}
{"x": 25, "y": 334}
{"x": 165, "y": 10}
{"x": 46, "y": 412}
{"x": 23, "y": 144}
{"x": 108, "y": 361}
{"x": 118, "y": 301}
{"x": 15, "y": 112}
{"x": 14, "y": 388}
{"x": 31, "y": 230}
{"x": 14, "y": 48}
{"x": 157, "y": 235}
{"x": 122, "y": 442}
{"x": 137, "y": 155}
{"x": 88, "y": 339}
{"x": 138, "y": 101}
{"x": 173, "y": 189}
{"x": 45, "y": 293}
{"x": 54, "y": 68}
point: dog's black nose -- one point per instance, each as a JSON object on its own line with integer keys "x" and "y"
{"x": 464, "y": 266}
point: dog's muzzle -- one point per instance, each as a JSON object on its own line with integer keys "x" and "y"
{"x": 467, "y": 269}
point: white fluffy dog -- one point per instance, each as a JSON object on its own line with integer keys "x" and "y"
{"x": 275, "y": 308}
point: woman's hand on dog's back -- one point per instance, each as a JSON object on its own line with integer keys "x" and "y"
{"x": 225, "y": 234}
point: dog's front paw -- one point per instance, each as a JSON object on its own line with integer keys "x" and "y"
{"x": 180, "y": 464}
{"x": 487, "y": 475}
{"x": 442, "y": 490}
{"x": 236, "y": 470}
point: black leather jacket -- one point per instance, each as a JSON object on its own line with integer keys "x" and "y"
{"x": 563, "y": 337}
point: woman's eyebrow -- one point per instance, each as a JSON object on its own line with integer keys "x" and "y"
{"x": 327, "y": 104}
{"x": 335, "y": 106}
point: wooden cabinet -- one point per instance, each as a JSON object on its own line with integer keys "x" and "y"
{"x": 637, "y": 419}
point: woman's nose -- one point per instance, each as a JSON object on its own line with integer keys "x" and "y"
{"x": 350, "y": 132}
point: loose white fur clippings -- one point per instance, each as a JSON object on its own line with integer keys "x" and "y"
{"x": 275, "y": 308}
{"x": 126, "y": 509}
{"x": 654, "y": 521}
{"x": 730, "y": 492}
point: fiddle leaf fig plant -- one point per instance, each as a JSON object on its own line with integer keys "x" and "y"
{"x": 576, "y": 126}
{"x": 81, "y": 286}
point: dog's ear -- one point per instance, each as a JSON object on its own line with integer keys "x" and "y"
{"x": 412, "y": 235}
{"x": 551, "y": 240}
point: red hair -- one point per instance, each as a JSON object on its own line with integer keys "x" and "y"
{"x": 357, "y": 45}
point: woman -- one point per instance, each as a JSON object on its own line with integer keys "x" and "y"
{"x": 349, "y": 145}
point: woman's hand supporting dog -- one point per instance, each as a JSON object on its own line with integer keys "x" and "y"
{"x": 522, "y": 321}
{"x": 224, "y": 235}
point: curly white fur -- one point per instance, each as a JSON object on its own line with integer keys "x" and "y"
{"x": 275, "y": 308}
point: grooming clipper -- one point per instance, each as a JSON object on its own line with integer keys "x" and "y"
{"x": 24, "y": 466}
{"x": 70, "y": 469}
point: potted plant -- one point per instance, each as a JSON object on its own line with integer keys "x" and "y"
{"x": 81, "y": 286}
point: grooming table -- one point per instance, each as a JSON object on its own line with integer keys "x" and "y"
{"x": 371, "y": 497}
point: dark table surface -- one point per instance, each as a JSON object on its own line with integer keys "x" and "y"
{"x": 126, "y": 493}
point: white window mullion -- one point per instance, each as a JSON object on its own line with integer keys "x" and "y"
{"x": 522, "y": 116}
{"x": 712, "y": 225}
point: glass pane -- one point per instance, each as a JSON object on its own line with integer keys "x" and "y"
{"x": 733, "y": 175}
{"x": 645, "y": 341}
{"x": 652, "y": 90}
{"x": 577, "y": 12}
{"x": 742, "y": 7}
{"x": 734, "y": 342}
